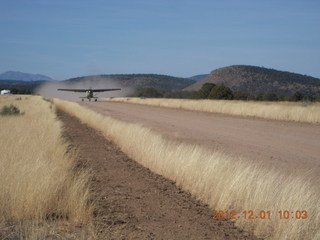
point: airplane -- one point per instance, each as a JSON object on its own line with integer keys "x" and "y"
{"x": 89, "y": 92}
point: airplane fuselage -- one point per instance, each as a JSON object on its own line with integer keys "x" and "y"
{"x": 89, "y": 94}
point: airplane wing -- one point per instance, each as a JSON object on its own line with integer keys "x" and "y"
{"x": 73, "y": 90}
{"x": 85, "y": 90}
{"x": 105, "y": 90}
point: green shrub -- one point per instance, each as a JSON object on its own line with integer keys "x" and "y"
{"x": 205, "y": 90}
{"x": 10, "y": 110}
{"x": 270, "y": 97}
{"x": 296, "y": 97}
{"x": 221, "y": 92}
{"x": 239, "y": 95}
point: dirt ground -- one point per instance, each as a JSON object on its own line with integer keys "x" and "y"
{"x": 134, "y": 203}
{"x": 277, "y": 143}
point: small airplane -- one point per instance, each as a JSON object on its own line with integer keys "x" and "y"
{"x": 89, "y": 92}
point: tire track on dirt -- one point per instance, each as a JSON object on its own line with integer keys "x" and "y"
{"x": 134, "y": 203}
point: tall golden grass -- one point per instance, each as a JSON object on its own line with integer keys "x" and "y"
{"x": 223, "y": 181}
{"x": 38, "y": 183}
{"x": 287, "y": 111}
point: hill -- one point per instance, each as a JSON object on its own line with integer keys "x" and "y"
{"x": 199, "y": 77}
{"x": 136, "y": 81}
{"x": 256, "y": 80}
{"x": 20, "y": 76}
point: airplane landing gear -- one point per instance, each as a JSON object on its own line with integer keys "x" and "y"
{"x": 96, "y": 100}
{"x": 82, "y": 99}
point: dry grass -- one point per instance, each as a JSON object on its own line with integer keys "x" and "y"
{"x": 40, "y": 190}
{"x": 287, "y": 111}
{"x": 223, "y": 181}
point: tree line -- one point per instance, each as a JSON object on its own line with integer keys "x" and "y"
{"x": 213, "y": 91}
{"x": 18, "y": 91}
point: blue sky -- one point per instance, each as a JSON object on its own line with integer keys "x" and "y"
{"x": 70, "y": 38}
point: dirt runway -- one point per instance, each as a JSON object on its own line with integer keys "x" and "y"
{"x": 288, "y": 144}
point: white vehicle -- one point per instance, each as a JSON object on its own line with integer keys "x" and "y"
{"x": 5, "y": 92}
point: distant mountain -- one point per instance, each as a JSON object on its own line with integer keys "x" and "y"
{"x": 20, "y": 76}
{"x": 199, "y": 77}
{"x": 135, "y": 81}
{"x": 257, "y": 80}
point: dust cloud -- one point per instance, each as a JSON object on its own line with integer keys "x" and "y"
{"x": 50, "y": 89}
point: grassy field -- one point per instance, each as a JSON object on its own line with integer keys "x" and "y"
{"x": 41, "y": 194}
{"x": 287, "y": 111}
{"x": 223, "y": 181}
